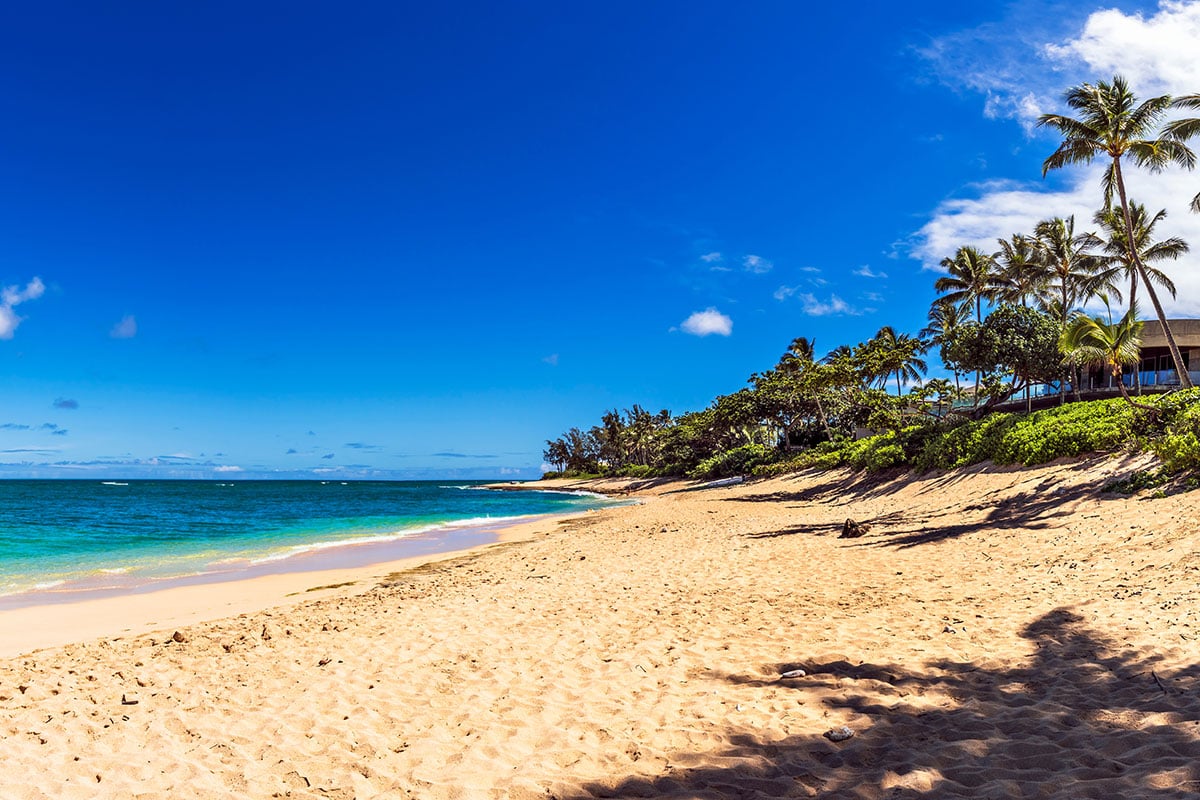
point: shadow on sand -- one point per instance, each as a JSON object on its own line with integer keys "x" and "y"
{"x": 1082, "y": 717}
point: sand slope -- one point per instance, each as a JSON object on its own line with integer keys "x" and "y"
{"x": 998, "y": 633}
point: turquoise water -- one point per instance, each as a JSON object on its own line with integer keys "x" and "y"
{"x": 64, "y": 535}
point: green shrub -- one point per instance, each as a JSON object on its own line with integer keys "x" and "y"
{"x": 1069, "y": 430}
{"x": 738, "y": 461}
{"x": 968, "y": 443}
{"x": 1179, "y": 446}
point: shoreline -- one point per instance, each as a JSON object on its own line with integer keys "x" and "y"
{"x": 33, "y": 621}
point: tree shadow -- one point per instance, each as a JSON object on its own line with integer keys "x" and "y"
{"x": 1081, "y": 717}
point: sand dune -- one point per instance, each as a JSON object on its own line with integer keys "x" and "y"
{"x": 997, "y": 633}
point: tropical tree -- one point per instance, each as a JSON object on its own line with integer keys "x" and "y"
{"x": 1091, "y": 340}
{"x": 1111, "y": 124}
{"x": 1121, "y": 249}
{"x": 973, "y": 277}
{"x": 1021, "y": 276}
{"x": 896, "y": 354}
{"x": 1069, "y": 272}
{"x": 944, "y": 319}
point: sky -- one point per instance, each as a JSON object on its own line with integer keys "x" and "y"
{"x": 400, "y": 240}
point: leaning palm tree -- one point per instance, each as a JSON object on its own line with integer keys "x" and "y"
{"x": 1111, "y": 125}
{"x": 1091, "y": 340}
{"x": 973, "y": 278}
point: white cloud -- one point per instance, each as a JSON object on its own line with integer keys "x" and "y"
{"x": 1158, "y": 54}
{"x": 809, "y": 269}
{"x": 813, "y": 307}
{"x": 229, "y": 468}
{"x": 756, "y": 264}
{"x": 865, "y": 271}
{"x": 551, "y": 359}
{"x": 784, "y": 292}
{"x": 711, "y": 258}
{"x": 709, "y": 321}
{"x": 125, "y": 329}
{"x": 12, "y": 296}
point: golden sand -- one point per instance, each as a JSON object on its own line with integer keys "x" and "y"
{"x": 997, "y": 633}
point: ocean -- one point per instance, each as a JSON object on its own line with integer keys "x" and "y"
{"x": 61, "y": 538}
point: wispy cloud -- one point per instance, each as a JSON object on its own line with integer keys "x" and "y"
{"x": 815, "y": 307}
{"x": 13, "y": 296}
{"x": 757, "y": 264}
{"x": 13, "y": 426}
{"x": 707, "y": 322}
{"x": 464, "y": 455}
{"x": 66, "y": 403}
{"x": 327, "y": 455}
{"x": 865, "y": 271}
{"x": 362, "y": 446}
{"x": 711, "y": 258}
{"x": 227, "y": 468}
{"x": 125, "y": 329}
{"x": 291, "y": 451}
{"x": 551, "y": 359}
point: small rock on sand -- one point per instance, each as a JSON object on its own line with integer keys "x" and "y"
{"x": 852, "y": 529}
{"x": 838, "y": 734}
{"x": 793, "y": 673}
{"x": 178, "y": 637}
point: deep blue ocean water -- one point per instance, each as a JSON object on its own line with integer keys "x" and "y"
{"x": 59, "y": 535}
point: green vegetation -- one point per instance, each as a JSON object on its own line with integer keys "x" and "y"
{"x": 838, "y": 410}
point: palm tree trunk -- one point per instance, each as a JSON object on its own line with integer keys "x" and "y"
{"x": 1185, "y": 380}
{"x": 1128, "y": 399}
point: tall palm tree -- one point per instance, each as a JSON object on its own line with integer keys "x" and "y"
{"x": 973, "y": 277}
{"x": 1118, "y": 246}
{"x": 897, "y": 354}
{"x": 1183, "y": 129}
{"x": 1091, "y": 340}
{"x": 1070, "y": 273}
{"x": 1111, "y": 125}
{"x": 1020, "y": 274}
{"x": 944, "y": 320}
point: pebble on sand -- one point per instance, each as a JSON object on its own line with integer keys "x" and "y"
{"x": 838, "y": 734}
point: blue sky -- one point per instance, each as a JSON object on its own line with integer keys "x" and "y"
{"x": 402, "y": 240}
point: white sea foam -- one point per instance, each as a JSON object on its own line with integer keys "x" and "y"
{"x": 394, "y": 536}
{"x": 113, "y": 483}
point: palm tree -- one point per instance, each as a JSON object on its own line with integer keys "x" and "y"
{"x": 1069, "y": 273}
{"x": 1091, "y": 340}
{"x": 897, "y": 354}
{"x": 1111, "y": 125}
{"x": 972, "y": 279}
{"x": 1183, "y": 129}
{"x": 944, "y": 319}
{"x": 1072, "y": 274}
{"x": 1121, "y": 250}
{"x": 1020, "y": 275}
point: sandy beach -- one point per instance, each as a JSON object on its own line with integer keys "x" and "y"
{"x": 996, "y": 633}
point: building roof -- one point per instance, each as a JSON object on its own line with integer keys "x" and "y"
{"x": 1185, "y": 331}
